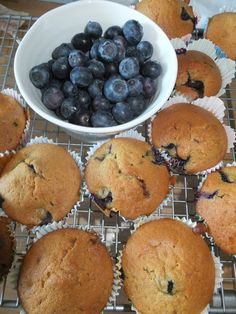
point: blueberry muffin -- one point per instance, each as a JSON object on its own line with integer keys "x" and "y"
{"x": 193, "y": 137}
{"x": 221, "y": 30}
{"x": 217, "y": 206}
{"x": 175, "y": 17}
{"x": 6, "y": 247}
{"x": 13, "y": 119}
{"x": 66, "y": 271}
{"x": 40, "y": 183}
{"x": 168, "y": 269}
{"x": 125, "y": 175}
{"x": 198, "y": 75}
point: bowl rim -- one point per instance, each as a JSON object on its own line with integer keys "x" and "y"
{"x": 77, "y": 128}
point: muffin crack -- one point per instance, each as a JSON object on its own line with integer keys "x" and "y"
{"x": 143, "y": 185}
{"x": 32, "y": 168}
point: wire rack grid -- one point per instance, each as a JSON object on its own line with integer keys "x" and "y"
{"x": 114, "y": 231}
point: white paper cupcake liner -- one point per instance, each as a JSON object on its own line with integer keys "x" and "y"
{"x": 214, "y": 105}
{"x": 130, "y": 134}
{"x": 78, "y": 161}
{"x": 218, "y": 265}
{"x": 25, "y": 136}
{"x": 226, "y": 66}
{"x": 41, "y": 231}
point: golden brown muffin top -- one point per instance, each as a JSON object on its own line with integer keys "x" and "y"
{"x": 124, "y": 176}
{"x": 217, "y": 205}
{"x": 40, "y": 183}
{"x": 6, "y": 246}
{"x": 194, "y": 138}
{"x": 66, "y": 271}
{"x": 175, "y": 17}
{"x": 168, "y": 269}
{"x": 198, "y": 75}
{"x": 221, "y": 30}
{"x": 13, "y": 120}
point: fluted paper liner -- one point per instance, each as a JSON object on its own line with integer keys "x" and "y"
{"x": 25, "y": 136}
{"x": 214, "y": 105}
{"x": 41, "y": 231}
{"x": 226, "y": 66}
{"x": 190, "y": 224}
{"x": 127, "y": 134}
{"x": 77, "y": 159}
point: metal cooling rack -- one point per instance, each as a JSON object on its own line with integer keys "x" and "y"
{"x": 114, "y": 231}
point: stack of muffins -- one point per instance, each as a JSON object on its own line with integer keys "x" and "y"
{"x": 167, "y": 267}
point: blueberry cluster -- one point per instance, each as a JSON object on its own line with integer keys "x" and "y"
{"x": 97, "y": 80}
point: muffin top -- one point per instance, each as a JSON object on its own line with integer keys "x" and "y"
{"x": 168, "y": 269}
{"x": 66, "y": 271}
{"x": 192, "y": 136}
{"x": 221, "y": 30}
{"x": 6, "y": 247}
{"x": 123, "y": 175}
{"x": 13, "y": 120}
{"x": 175, "y": 17}
{"x": 198, "y": 75}
{"x": 217, "y": 205}
{"x": 40, "y": 183}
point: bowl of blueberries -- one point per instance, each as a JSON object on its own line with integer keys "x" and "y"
{"x": 95, "y": 68}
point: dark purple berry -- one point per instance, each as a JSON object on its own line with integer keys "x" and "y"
{"x": 93, "y": 29}
{"x": 146, "y": 49}
{"x": 101, "y": 103}
{"x": 102, "y": 119}
{"x": 77, "y": 58}
{"x": 40, "y": 75}
{"x": 111, "y": 69}
{"x": 81, "y": 76}
{"x": 122, "y": 112}
{"x": 52, "y": 98}
{"x": 149, "y": 87}
{"x": 135, "y": 86}
{"x": 97, "y": 68}
{"x": 137, "y": 104}
{"x": 133, "y": 32}
{"x": 132, "y": 51}
{"x": 81, "y": 117}
{"x": 121, "y": 44}
{"x": 69, "y": 89}
{"x": 95, "y": 89}
{"x": 151, "y": 69}
{"x": 62, "y": 51}
{"x": 68, "y": 107}
{"x": 113, "y": 31}
{"x": 129, "y": 67}
{"x": 116, "y": 89}
{"x": 61, "y": 68}
{"x": 83, "y": 98}
{"x": 82, "y": 42}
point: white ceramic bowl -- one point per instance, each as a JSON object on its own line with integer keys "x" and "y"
{"x": 58, "y": 26}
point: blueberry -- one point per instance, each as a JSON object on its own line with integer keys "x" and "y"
{"x": 129, "y": 67}
{"x": 116, "y": 89}
{"x": 82, "y": 42}
{"x": 121, "y": 44}
{"x": 94, "y": 49}
{"x": 68, "y": 107}
{"x": 97, "y": 68}
{"x": 133, "y": 32}
{"x": 62, "y": 51}
{"x": 151, "y": 69}
{"x": 113, "y": 31}
{"x": 146, "y": 49}
{"x": 93, "y": 29}
{"x": 135, "y": 86}
{"x": 107, "y": 51}
{"x": 132, "y": 51}
{"x": 49, "y": 64}
{"x": 101, "y": 103}
{"x": 77, "y": 58}
{"x": 149, "y": 87}
{"x": 52, "y": 98}
{"x": 95, "y": 89}
{"x": 81, "y": 76}
{"x": 137, "y": 104}
{"x": 40, "y": 75}
{"x": 81, "y": 117}
{"x": 122, "y": 112}
{"x": 184, "y": 15}
{"x": 102, "y": 118}
{"x": 83, "y": 98}
{"x": 61, "y": 68}
{"x": 111, "y": 69}
{"x": 55, "y": 83}
{"x": 69, "y": 89}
